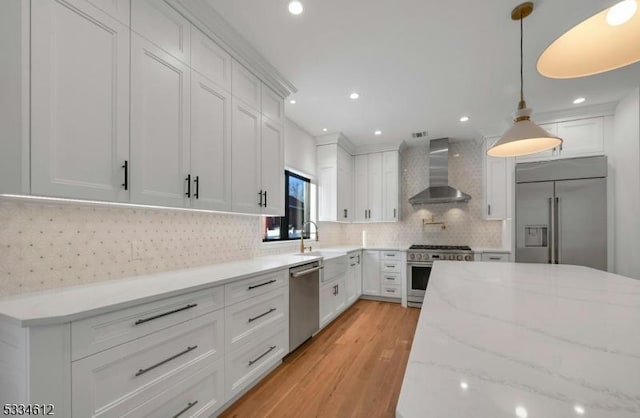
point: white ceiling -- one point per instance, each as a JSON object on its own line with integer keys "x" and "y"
{"x": 417, "y": 64}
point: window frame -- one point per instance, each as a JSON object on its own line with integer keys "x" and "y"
{"x": 285, "y": 220}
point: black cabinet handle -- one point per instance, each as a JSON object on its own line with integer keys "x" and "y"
{"x": 182, "y": 353}
{"x": 126, "y": 175}
{"x": 273, "y": 347}
{"x": 394, "y": 213}
{"x": 345, "y": 213}
{"x": 197, "y": 183}
{"x": 142, "y": 321}
{"x": 188, "y": 180}
{"x": 188, "y": 407}
{"x": 261, "y": 315}
{"x": 489, "y": 210}
{"x": 261, "y": 284}
{"x": 260, "y": 194}
{"x": 265, "y": 198}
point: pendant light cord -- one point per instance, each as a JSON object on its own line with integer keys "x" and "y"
{"x": 521, "y": 59}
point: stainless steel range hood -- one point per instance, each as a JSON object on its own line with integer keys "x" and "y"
{"x": 439, "y": 190}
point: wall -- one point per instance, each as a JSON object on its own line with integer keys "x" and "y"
{"x": 47, "y": 244}
{"x": 624, "y": 160}
{"x": 464, "y": 223}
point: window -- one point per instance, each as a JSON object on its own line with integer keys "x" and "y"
{"x": 297, "y": 210}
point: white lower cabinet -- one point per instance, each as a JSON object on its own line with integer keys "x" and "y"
{"x": 371, "y": 273}
{"x": 495, "y": 257}
{"x": 383, "y": 274}
{"x": 354, "y": 277}
{"x": 333, "y": 299}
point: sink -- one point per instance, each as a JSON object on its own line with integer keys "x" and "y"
{"x": 327, "y": 255}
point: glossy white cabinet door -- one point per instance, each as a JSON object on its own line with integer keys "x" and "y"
{"x": 340, "y": 298}
{"x": 245, "y": 159}
{"x": 390, "y": 186}
{"x": 272, "y": 150}
{"x": 210, "y": 144}
{"x": 361, "y": 186}
{"x": 162, "y": 25}
{"x": 79, "y": 101}
{"x": 495, "y": 184}
{"x": 245, "y": 86}
{"x": 371, "y": 273}
{"x": 375, "y": 187}
{"x": 210, "y": 60}
{"x": 582, "y": 137}
{"x": 159, "y": 126}
{"x": 327, "y": 295}
{"x": 344, "y": 186}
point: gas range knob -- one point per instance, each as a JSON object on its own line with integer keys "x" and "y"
{"x": 467, "y": 258}
{"x": 459, "y": 257}
{"x": 412, "y": 256}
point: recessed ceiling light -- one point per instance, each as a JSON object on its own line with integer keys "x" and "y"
{"x": 521, "y": 412}
{"x": 579, "y": 100}
{"x": 464, "y": 119}
{"x": 579, "y": 409}
{"x": 324, "y": 129}
{"x": 292, "y": 101}
{"x": 378, "y": 132}
{"x": 464, "y": 385}
{"x": 295, "y": 7}
{"x": 621, "y": 12}
{"x": 354, "y": 96}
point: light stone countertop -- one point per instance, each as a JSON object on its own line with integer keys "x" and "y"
{"x": 71, "y": 303}
{"x": 490, "y": 250}
{"x": 524, "y": 340}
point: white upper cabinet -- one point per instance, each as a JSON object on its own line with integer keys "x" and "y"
{"x": 582, "y": 137}
{"x": 210, "y": 144}
{"x": 390, "y": 186}
{"x": 375, "y": 187}
{"x": 160, "y": 122}
{"x": 246, "y": 196}
{"x": 272, "y": 105}
{"x": 495, "y": 184}
{"x": 245, "y": 86}
{"x": 162, "y": 25}
{"x": 210, "y": 60}
{"x": 272, "y": 167}
{"x": 79, "y": 101}
{"x": 335, "y": 183}
{"x": 361, "y": 188}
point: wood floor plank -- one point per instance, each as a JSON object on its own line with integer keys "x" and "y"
{"x": 352, "y": 368}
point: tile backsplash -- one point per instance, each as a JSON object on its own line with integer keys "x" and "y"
{"x": 47, "y": 244}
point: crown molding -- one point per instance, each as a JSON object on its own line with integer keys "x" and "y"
{"x": 336, "y": 138}
{"x": 209, "y": 21}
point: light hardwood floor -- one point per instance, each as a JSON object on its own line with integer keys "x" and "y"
{"x": 353, "y": 368}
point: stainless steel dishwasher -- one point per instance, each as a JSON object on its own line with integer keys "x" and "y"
{"x": 304, "y": 303}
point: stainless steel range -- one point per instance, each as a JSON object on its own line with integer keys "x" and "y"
{"x": 420, "y": 259}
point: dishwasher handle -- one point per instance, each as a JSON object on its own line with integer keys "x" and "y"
{"x": 305, "y": 272}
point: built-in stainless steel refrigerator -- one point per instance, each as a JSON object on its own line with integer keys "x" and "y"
{"x": 561, "y": 212}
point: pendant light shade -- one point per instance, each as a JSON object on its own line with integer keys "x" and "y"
{"x": 524, "y": 137}
{"x": 606, "y": 41}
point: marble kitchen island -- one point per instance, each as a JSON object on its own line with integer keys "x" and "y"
{"x": 524, "y": 340}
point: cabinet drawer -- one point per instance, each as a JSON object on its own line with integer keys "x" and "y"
{"x": 199, "y": 395}
{"x": 390, "y": 266}
{"x": 391, "y": 279}
{"x": 253, "y": 315}
{"x": 496, "y": 257}
{"x": 250, "y": 361}
{"x": 390, "y": 256}
{"x": 254, "y": 286}
{"x": 392, "y": 291}
{"x": 98, "y": 333}
{"x": 123, "y": 372}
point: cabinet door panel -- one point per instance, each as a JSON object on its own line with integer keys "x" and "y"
{"x": 344, "y": 186}
{"x": 371, "y": 273}
{"x": 159, "y": 126}
{"x": 552, "y": 128}
{"x": 272, "y": 150}
{"x": 120, "y": 9}
{"x": 210, "y": 60}
{"x": 272, "y": 105}
{"x": 375, "y": 187}
{"x": 79, "y": 101}
{"x": 245, "y": 85}
{"x": 245, "y": 155}
{"x": 327, "y": 296}
{"x": 582, "y": 137}
{"x": 210, "y": 144}
{"x": 162, "y": 25}
{"x": 340, "y": 299}
{"x": 361, "y": 185}
{"x": 496, "y": 188}
{"x": 390, "y": 186}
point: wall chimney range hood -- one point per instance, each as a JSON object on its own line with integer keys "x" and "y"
{"x": 439, "y": 190}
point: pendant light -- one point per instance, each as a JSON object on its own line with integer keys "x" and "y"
{"x": 524, "y": 137}
{"x": 606, "y": 41}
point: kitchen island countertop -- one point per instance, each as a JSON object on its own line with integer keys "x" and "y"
{"x": 524, "y": 340}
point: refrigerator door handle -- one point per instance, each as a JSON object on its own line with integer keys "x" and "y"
{"x": 556, "y": 230}
{"x": 551, "y": 239}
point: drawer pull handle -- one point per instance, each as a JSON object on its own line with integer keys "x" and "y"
{"x": 184, "y": 308}
{"x": 494, "y": 258}
{"x": 354, "y": 264}
{"x": 261, "y": 315}
{"x": 182, "y": 353}
{"x": 391, "y": 291}
{"x": 273, "y": 347}
{"x": 188, "y": 407}
{"x": 391, "y": 255}
{"x": 390, "y": 278}
{"x": 261, "y": 284}
{"x": 392, "y": 266}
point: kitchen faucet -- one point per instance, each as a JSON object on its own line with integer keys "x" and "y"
{"x": 302, "y": 247}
